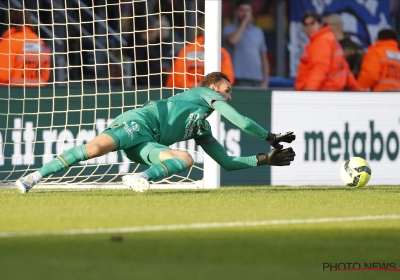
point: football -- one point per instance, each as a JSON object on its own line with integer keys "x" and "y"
{"x": 355, "y": 172}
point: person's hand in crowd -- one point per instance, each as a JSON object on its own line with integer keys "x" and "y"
{"x": 248, "y": 19}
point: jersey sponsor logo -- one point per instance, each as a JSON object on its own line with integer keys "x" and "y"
{"x": 204, "y": 125}
{"x": 128, "y": 130}
{"x": 196, "y": 123}
{"x": 135, "y": 126}
{"x": 193, "y": 116}
{"x": 191, "y": 125}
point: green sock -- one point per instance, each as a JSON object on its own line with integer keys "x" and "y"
{"x": 64, "y": 161}
{"x": 166, "y": 168}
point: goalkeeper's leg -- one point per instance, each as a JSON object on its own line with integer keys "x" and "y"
{"x": 164, "y": 162}
{"x": 169, "y": 162}
{"x": 100, "y": 145}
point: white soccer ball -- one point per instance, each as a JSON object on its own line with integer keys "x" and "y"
{"x": 355, "y": 172}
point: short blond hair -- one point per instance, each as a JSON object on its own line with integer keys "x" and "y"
{"x": 214, "y": 78}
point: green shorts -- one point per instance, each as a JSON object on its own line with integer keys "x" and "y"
{"x": 145, "y": 153}
{"x": 135, "y": 134}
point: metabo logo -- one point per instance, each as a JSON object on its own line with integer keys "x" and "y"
{"x": 334, "y": 144}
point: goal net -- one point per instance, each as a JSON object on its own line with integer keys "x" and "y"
{"x": 103, "y": 58}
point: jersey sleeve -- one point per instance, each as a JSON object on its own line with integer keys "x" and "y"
{"x": 204, "y": 132}
{"x": 247, "y": 125}
{"x": 217, "y": 152}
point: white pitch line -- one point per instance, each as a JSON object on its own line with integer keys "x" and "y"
{"x": 6, "y": 234}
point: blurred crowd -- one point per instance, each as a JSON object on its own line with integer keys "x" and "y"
{"x": 158, "y": 40}
{"x": 332, "y": 61}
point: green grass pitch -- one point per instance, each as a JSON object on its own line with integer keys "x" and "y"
{"x": 31, "y": 248}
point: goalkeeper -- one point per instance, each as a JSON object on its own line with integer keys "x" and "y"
{"x": 144, "y": 134}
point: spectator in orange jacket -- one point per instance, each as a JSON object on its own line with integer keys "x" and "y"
{"x": 24, "y": 58}
{"x": 380, "y": 68}
{"x": 188, "y": 68}
{"x": 323, "y": 65}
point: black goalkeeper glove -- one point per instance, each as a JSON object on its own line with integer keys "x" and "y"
{"x": 276, "y": 157}
{"x": 275, "y": 139}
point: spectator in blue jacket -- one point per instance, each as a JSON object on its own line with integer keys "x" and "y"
{"x": 246, "y": 45}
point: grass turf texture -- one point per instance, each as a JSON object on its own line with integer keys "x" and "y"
{"x": 262, "y": 252}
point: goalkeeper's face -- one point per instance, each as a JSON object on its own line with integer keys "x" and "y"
{"x": 223, "y": 88}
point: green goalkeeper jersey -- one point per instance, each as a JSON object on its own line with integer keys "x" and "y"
{"x": 179, "y": 118}
{"x": 183, "y": 116}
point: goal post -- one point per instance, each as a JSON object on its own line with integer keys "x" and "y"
{"x": 212, "y": 57}
{"x": 97, "y": 72}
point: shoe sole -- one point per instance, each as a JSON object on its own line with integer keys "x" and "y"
{"x": 137, "y": 184}
{"x": 21, "y": 187}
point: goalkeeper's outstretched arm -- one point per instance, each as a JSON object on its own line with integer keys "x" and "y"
{"x": 217, "y": 152}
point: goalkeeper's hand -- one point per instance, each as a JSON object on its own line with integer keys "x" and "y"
{"x": 275, "y": 139}
{"x": 276, "y": 157}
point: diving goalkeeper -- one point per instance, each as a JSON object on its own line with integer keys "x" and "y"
{"x": 144, "y": 135}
